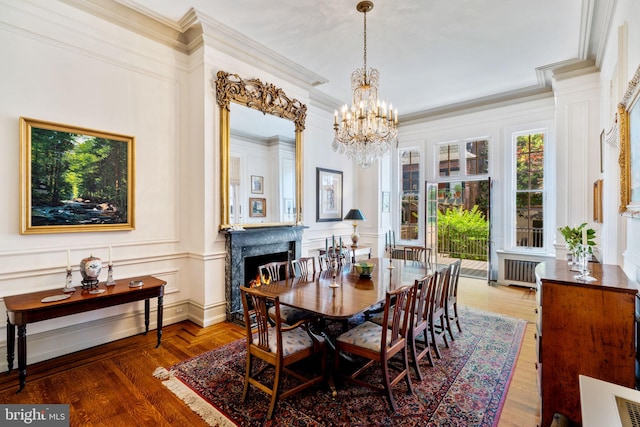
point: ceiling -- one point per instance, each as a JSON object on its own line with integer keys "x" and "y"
{"x": 431, "y": 54}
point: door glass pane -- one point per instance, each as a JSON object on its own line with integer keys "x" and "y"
{"x": 410, "y": 196}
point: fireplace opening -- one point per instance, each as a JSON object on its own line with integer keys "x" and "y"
{"x": 252, "y": 263}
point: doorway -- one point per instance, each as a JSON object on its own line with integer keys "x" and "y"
{"x": 463, "y": 229}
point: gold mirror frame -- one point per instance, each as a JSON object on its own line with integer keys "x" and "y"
{"x": 268, "y": 99}
{"x": 629, "y": 149}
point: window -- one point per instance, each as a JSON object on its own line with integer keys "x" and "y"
{"x": 477, "y": 156}
{"x": 449, "y": 160}
{"x": 410, "y": 194}
{"x": 529, "y": 190}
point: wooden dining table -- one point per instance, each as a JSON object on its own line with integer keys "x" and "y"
{"x": 353, "y": 294}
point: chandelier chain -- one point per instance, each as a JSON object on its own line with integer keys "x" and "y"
{"x": 365, "y": 47}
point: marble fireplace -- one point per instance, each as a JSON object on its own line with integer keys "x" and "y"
{"x": 248, "y": 248}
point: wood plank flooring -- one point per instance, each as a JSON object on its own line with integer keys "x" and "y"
{"x": 112, "y": 384}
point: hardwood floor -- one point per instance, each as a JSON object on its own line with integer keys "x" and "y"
{"x": 112, "y": 384}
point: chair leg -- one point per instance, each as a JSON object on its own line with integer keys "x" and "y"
{"x": 275, "y": 390}
{"x": 247, "y": 375}
{"x": 414, "y": 357}
{"x": 427, "y": 347}
{"x": 455, "y": 311}
{"x": 443, "y": 323}
{"x": 447, "y": 318}
{"x": 407, "y": 379}
{"x": 432, "y": 331}
{"x": 387, "y": 385}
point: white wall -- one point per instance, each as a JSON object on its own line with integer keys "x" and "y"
{"x": 621, "y": 59}
{"x": 64, "y": 66}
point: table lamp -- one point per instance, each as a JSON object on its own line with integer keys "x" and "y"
{"x": 355, "y": 215}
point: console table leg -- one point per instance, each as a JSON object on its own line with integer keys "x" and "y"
{"x": 159, "y": 328}
{"x": 146, "y": 316}
{"x": 11, "y": 344}
{"x": 22, "y": 356}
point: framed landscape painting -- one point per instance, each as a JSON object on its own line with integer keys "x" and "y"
{"x": 258, "y": 207}
{"x": 74, "y": 179}
{"x": 329, "y": 195}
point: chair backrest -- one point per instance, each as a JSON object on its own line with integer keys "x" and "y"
{"x": 345, "y": 256}
{"x": 304, "y": 267}
{"x": 419, "y": 306}
{"x": 323, "y": 262}
{"x": 415, "y": 253}
{"x": 255, "y": 305}
{"x": 441, "y": 289}
{"x": 396, "y": 316}
{"x": 274, "y": 271}
{"x": 454, "y": 276}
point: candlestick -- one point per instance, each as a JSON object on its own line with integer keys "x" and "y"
{"x": 68, "y": 285}
{"x": 109, "y": 255}
{"x": 68, "y": 259}
{"x": 110, "y": 281}
{"x": 584, "y": 237}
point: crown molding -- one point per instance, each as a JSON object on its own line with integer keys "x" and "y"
{"x": 193, "y": 31}
{"x": 479, "y": 104}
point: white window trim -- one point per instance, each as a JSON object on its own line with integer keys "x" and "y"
{"x": 548, "y": 191}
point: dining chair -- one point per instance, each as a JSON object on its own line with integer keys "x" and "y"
{"x": 278, "y": 271}
{"x": 304, "y": 267}
{"x": 380, "y": 343}
{"x": 279, "y": 346}
{"x": 346, "y": 257}
{"x": 418, "y": 253}
{"x": 451, "y": 305}
{"x": 418, "y": 323}
{"x": 274, "y": 271}
{"x": 323, "y": 262}
{"x": 436, "y": 304}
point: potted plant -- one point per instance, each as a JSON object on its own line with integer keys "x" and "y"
{"x": 573, "y": 236}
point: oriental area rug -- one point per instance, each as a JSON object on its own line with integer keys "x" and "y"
{"x": 466, "y": 387}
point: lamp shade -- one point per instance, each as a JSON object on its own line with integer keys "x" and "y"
{"x": 355, "y": 214}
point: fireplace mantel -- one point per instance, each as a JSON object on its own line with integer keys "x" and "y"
{"x": 252, "y": 242}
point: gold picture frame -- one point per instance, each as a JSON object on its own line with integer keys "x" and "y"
{"x": 597, "y": 201}
{"x": 75, "y": 179}
{"x": 629, "y": 160}
{"x": 257, "y": 206}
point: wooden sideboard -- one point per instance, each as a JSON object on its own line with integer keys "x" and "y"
{"x": 586, "y": 328}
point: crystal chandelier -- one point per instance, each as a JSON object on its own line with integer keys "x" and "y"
{"x": 366, "y": 130}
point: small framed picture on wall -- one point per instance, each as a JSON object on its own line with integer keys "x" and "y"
{"x": 257, "y": 183}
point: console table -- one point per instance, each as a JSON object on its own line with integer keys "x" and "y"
{"x": 29, "y": 308}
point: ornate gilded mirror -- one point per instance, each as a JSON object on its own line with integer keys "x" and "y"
{"x": 629, "y": 114}
{"x": 261, "y": 153}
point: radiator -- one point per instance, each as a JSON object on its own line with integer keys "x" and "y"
{"x": 522, "y": 271}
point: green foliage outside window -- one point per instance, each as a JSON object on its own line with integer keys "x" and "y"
{"x": 463, "y": 233}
